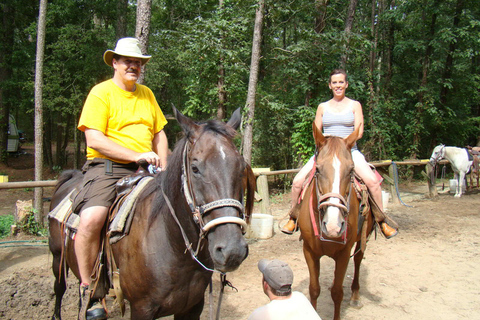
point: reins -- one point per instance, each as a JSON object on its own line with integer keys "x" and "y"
{"x": 197, "y": 213}
{"x": 343, "y": 206}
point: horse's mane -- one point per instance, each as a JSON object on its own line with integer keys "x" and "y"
{"x": 170, "y": 179}
{"x": 333, "y": 145}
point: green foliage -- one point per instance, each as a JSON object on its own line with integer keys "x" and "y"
{"x": 5, "y": 222}
{"x": 31, "y": 226}
{"x": 412, "y": 98}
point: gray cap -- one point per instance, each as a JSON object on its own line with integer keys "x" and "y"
{"x": 277, "y": 274}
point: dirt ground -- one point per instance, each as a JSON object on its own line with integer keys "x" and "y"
{"x": 428, "y": 271}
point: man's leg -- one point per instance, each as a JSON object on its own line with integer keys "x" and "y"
{"x": 87, "y": 240}
{"x": 87, "y": 244}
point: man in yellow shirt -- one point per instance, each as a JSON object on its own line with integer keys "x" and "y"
{"x": 123, "y": 124}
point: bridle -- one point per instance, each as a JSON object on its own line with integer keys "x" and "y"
{"x": 439, "y": 155}
{"x": 198, "y": 211}
{"x": 323, "y": 203}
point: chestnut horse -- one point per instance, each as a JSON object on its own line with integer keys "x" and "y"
{"x": 329, "y": 216}
{"x": 187, "y": 222}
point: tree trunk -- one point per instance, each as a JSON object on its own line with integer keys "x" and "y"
{"x": 252, "y": 84}
{"x": 321, "y": 6}
{"x": 38, "y": 193}
{"x": 142, "y": 29}
{"x": 423, "y": 84}
{"x": 222, "y": 93}
{"x": 447, "y": 73}
{"x": 121, "y": 26}
{"x": 7, "y": 40}
{"x": 388, "y": 36}
{"x": 47, "y": 139}
{"x": 348, "y": 29}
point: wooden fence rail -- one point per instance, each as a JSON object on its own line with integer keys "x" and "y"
{"x": 262, "y": 180}
{"x": 387, "y": 165}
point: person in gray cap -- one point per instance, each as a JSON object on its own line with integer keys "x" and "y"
{"x": 123, "y": 124}
{"x": 284, "y": 304}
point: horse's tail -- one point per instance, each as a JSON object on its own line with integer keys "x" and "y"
{"x": 70, "y": 176}
{"x": 250, "y": 186}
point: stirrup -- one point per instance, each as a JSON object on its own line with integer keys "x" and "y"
{"x": 85, "y": 296}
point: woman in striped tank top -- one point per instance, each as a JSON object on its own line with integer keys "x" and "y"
{"x": 340, "y": 116}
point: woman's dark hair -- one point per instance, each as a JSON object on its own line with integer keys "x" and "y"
{"x": 338, "y": 71}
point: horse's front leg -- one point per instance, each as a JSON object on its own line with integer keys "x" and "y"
{"x": 355, "y": 299}
{"x": 341, "y": 264}
{"x": 192, "y": 314}
{"x": 313, "y": 263}
{"x": 460, "y": 182}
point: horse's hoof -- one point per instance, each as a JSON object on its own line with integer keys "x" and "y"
{"x": 356, "y": 304}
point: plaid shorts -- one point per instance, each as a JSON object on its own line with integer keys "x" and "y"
{"x": 98, "y": 185}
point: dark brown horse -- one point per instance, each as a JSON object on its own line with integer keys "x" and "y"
{"x": 329, "y": 216}
{"x": 200, "y": 195}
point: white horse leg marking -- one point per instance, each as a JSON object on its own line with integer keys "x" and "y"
{"x": 332, "y": 217}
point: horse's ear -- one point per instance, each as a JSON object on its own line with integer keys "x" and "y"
{"x": 318, "y": 136}
{"x": 352, "y": 138}
{"x": 187, "y": 124}
{"x": 235, "y": 120}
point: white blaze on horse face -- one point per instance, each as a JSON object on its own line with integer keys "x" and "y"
{"x": 333, "y": 216}
{"x": 222, "y": 153}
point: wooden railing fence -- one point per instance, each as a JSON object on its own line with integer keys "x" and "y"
{"x": 390, "y": 175}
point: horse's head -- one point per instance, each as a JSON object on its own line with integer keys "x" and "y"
{"x": 213, "y": 171}
{"x": 334, "y": 172}
{"x": 437, "y": 154}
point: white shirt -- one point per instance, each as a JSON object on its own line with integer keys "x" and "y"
{"x": 295, "y": 307}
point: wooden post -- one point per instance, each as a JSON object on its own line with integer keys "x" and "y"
{"x": 432, "y": 188}
{"x": 262, "y": 188}
{"x": 393, "y": 190}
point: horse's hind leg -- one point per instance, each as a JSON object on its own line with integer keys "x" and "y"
{"x": 59, "y": 286}
{"x": 355, "y": 299}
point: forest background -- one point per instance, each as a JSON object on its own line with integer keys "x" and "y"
{"x": 414, "y": 65}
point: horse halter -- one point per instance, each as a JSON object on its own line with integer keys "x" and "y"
{"x": 323, "y": 203}
{"x": 199, "y": 211}
{"x": 439, "y": 155}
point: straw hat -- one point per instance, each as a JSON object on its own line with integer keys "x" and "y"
{"x": 127, "y": 47}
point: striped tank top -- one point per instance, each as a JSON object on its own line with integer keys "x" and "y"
{"x": 338, "y": 124}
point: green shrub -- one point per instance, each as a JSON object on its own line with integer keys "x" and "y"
{"x": 31, "y": 226}
{"x": 5, "y": 223}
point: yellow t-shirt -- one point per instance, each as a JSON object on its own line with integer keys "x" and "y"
{"x": 130, "y": 119}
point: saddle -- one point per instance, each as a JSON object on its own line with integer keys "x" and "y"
{"x": 474, "y": 152}
{"x": 105, "y": 273}
{"x": 367, "y": 206}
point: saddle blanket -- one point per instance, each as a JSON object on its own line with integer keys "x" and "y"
{"x": 119, "y": 227}
{"x": 63, "y": 211}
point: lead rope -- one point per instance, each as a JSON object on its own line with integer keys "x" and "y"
{"x": 188, "y": 244}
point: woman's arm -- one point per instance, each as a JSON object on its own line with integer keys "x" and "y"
{"x": 319, "y": 116}
{"x": 358, "y": 113}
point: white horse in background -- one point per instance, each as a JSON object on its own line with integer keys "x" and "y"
{"x": 458, "y": 158}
